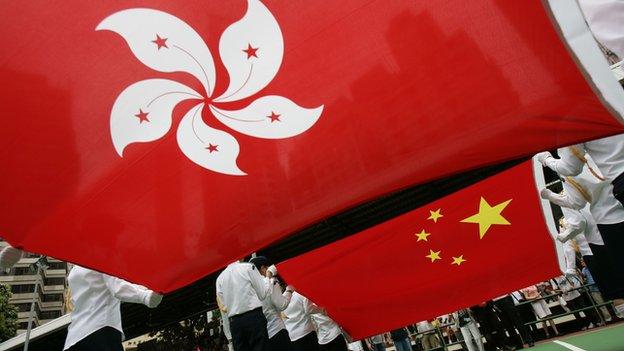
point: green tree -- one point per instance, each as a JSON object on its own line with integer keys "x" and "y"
{"x": 189, "y": 334}
{"x": 8, "y": 315}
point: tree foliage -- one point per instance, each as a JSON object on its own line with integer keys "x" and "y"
{"x": 8, "y": 315}
{"x": 191, "y": 334}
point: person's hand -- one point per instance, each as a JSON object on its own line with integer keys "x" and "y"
{"x": 272, "y": 270}
{"x": 9, "y": 257}
{"x": 153, "y": 299}
{"x": 544, "y": 193}
{"x": 542, "y": 156}
{"x": 290, "y": 289}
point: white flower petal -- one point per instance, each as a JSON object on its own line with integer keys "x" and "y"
{"x": 270, "y": 117}
{"x": 142, "y": 112}
{"x": 210, "y": 148}
{"x": 259, "y": 34}
{"x": 164, "y": 43}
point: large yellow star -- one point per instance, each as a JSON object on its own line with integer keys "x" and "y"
{"x": 434, "y": 215}
{"x": 488, "y": 216}
{"x": 422, "y": 236}
{"x": 458, "y": 260}
{"x": 434, "y": 255}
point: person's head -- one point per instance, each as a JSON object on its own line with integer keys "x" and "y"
{"x": 262, "y": 263}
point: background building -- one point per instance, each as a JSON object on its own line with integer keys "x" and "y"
{"x": 51, "y": 285}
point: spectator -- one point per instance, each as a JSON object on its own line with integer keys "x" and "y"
{"x": 376, "y": 343}
{"x": 469, "y": 330}
{"x": 401, "y": 340}
{"x": 573, "y": 301}
{"x": 430, "y": 338}
{"x": 511, "y": 321}
{"x": 540, "y": 308}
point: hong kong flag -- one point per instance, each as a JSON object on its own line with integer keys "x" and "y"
{"x": 160, "y": 140}
{"x": 471, "y": 246}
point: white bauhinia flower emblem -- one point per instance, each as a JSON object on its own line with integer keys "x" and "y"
{"x": 251, "y": 50}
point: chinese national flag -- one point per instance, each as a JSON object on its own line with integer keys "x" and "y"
{"x": 471, "y": 246}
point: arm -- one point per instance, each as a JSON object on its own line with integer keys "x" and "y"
{"x": 128, "y": 292}
{"x": 220, "y": 295}
{"x": 279, "y": 300}
{"x": 10, "y": 256}
{"x": 260, "y": 284}
{"x": 575, "y": 225}
{"x": 567, "y": 165}
{"x": 570, "y": 256}
{"x": 221, "y": 305}
{"x": 311, "y": 308}
{"x": 562, "y": 200}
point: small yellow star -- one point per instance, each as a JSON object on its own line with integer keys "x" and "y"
{"x": 434, "y": 255}
{"x": 434, "y": 215}
{"x": 488, "y": 216}
{"x": 422, "y": 236}
{"x": 458, "y": 260}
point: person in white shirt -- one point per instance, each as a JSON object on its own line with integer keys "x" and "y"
{"x": 96, "y": 318}
{"x": 241, "y": 289}
{"x": 606, "y": 153}
{"x": 299, "y": 323}
{"x": 605, "y": 18}
{"x": 273, "y": 305}
{"x": 605, "y": 238}
{"x": 329, "y": 334}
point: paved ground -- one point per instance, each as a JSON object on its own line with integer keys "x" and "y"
{"x": 603, "y": 339}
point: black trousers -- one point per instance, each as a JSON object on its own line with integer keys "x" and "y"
{"x": 338, "y": 344}
{"x": 249, "y": 331}
{"x": 280, "y": 341}
{"x": 307, "y": 343}
{"x": 490, "y": 327}
{"x": 582, "y": 302}
{"x": 105, "y": 339}
{"x": 613, "y": 237}
{"x": 510, "y": 318}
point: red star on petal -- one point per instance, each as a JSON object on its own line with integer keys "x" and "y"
{"x": 250, "y": 51}
{"x": 274, "y": 117}
{"x": 161, "y": 42}
{"x": 212, "y": 148}
{"x": 142, "y": 116}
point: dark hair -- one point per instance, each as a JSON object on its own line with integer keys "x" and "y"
{"x": 260, "y": 261}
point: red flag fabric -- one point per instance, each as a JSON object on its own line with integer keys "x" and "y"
{"x": 174, "y": 137}
{"x": 471, "y": 246}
